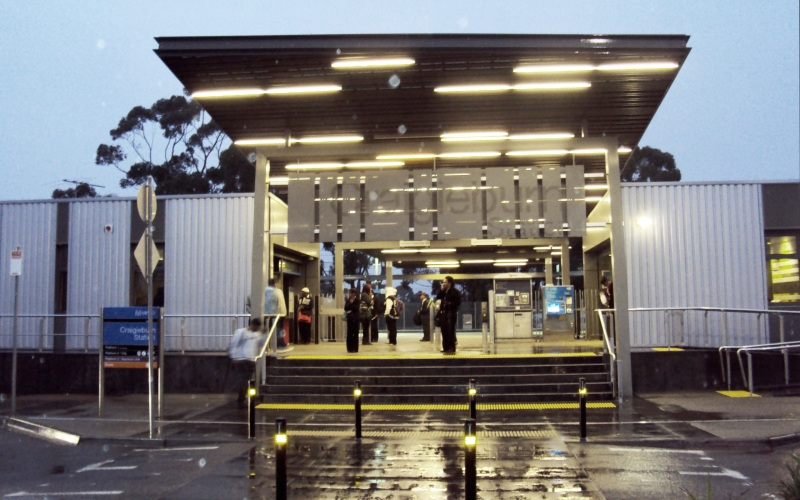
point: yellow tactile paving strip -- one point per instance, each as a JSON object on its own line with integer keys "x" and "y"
{"x": 422, "y": 434}
{"x": 668, "y": 349}
{"x": 437, "y": 407}
{"x": 440, "y": 356}
{"x": 737, "y": 394}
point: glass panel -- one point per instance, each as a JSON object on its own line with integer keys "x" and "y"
{"x": 501, "y": 210}
{"x": 529, "y": 206}
{"x": 301, "y": 216}
{"x": 461, "y": 208}
{"x": 785, "y": 280}
{"x": 328, "y": 207}
{"x": 781, "y": 245}
{"x": 387, "y": 205}
{"x": 351, "y": 206}
{"x": 423, "y": 205}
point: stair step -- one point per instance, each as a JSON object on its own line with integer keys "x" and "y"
{"x": 456, "y": 390}
{"x": 326, "y": 399}
{"x": 435, "y": 370}
{"x": 426, "y": 380}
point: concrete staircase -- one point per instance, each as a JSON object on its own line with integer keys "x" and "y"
{"x": 436, "y": 380}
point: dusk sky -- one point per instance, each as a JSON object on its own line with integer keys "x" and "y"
{"x": 71, "y": 70}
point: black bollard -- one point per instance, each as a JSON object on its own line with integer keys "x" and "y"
{"x": 470, "y": 452}
{"x": 473, "y": 399}
{"x": 582, "y": 391}
{"x": 357, "y": 398}
{"x": 280, "y": 458}
{"x": 252, "y": 392}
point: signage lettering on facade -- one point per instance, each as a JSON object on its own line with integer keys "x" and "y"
{"x": 16, "y": 262}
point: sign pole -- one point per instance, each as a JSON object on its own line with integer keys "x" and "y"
{"x": 14, "y": 358}
{"x": 148, "y": 261}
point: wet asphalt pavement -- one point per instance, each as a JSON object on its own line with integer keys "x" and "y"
{"x": 645, "y": 450}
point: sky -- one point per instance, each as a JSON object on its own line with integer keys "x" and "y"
{"x": 70, "y": 70}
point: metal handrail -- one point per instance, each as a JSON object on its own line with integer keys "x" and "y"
{"x": 784, "y": 348}
{"x": 264, "y": 349}
{"x": 44, "y": 316}
{"x": 611, "y": 350}
{"x": 183, "y": 317}
{"x": 779, "y": 312}
{"x": 725, "y": 363}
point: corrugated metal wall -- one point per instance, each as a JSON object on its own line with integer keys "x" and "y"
{"x": 33, "y": 227}
{"x": 99, "y": 264}
{"x": 705, "y": 247}
{"x": 207, "y": 268}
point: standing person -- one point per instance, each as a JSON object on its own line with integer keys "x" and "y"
{"x": 451, "y": 301}
{"x": 607, "y": 292}
{"x": 377, "y": 311}
{"x": 365, "y": 313}
{"x": 274, "y": 306}
{"x": 390, "y": 314}
{"x": 245, "y": 345}
{"x": 305, "y": 312}
{"x": 425, "y": 315}
{"x": 351, "y": 309}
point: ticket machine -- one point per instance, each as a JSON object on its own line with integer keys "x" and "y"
{"x": 513, "y": 306}
{"x": 559, "y": 309}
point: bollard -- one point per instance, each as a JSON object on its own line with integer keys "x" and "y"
{"x": 252, "y": 392}
{"x": 470, "y": 452}
{"x": 280, "y": 458}
{"x": 473, "y": 399}
{"x": 582, "y": 391}
{"x": 357, "y": 398}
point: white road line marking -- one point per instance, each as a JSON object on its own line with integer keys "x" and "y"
{"x": 659, "y": 450}
{"x": 725, "y": 472}
{"x": 64, "y": 494}
{"x": 192, "y": 448}
{"x": 99, "y": 466}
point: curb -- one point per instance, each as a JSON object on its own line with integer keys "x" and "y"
{"x": 760, "y": 444}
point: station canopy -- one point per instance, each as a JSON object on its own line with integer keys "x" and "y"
{"x": 422, "y": 99}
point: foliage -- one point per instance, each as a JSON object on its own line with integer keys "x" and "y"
{"x": 790, "y": 489}
{"x": 650, "y": 165}
{"x": 176, "y": 142}
{"x": 81, "y": 190}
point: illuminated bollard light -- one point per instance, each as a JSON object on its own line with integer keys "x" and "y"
{"x": 473, "y": 399}
{"x": 470, "y": 453}
{"x": 357, "y": 402}
{"x": 252, "y": 393}
{"x": 582, "y": 392}
{"x": 280, "y": 458}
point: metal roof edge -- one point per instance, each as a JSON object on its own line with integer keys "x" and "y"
{"x": 421, "y": 40}
{"x": 129, "y": 198}
{"x": 706, "y": 183}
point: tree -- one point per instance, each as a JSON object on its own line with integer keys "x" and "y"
{"x": 650, "y": 165}
{"x": 81, "y": 190}
{"x": 176, "y": 142}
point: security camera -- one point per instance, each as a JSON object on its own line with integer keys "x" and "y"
{"x": 251, "y": 157}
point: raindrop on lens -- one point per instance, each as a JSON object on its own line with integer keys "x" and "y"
{"x": 101, "y": 44}
{"x": 202, "y": 462}
{"x": 338, "y": 51}
{"x": 394, "y": 81}
{"x": 105, "y": 448}
{"x": 401, "y": 129}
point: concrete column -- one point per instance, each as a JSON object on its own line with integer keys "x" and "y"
{"x": 261, "y": 241}
{"x": 565, "y": 278}
{"x": 389, "y": 271}
{"x": 340, "y": 294}
{"x": 548, "y": 271}
{"x": 619, "y": 265}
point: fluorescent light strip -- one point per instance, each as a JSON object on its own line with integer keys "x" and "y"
{"x": 314, "y": 166}
{"x": 437, "y": 250}
{"x": 224, "y": 93}
{"x": 279, "y": 181}
{"x": 543, "y": 136}
{"x": 583, "y": 67}
{"x": 511, "y": 264}
{"x": 624, "y": 149}
{"x": 483, "y": 154}
{"x": 400, "y": 250}
{"x": 539, "y": 152}
{"x": 441, "y": 263}
{"x": 372, "y": 63}
{"x": 596, "y": 187}
{"x": 324, "y": 139}
{"x": 552, "y": 86}
{"x": 303, "y": 89}
{"x": 593, "y": 151}
{"x": 508, "y": 261}
{"x": 594, "y": 198}
{"x": 474, "y": 136}
{"x": 267, "y": 141}
{"x": 374, "y": 164}
{"x": 487, "y": 87}
{"x": 478, "y": 261}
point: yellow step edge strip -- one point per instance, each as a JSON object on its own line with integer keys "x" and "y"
{"x": 441, "y": 356}
{"x": 737, "y": 394}
{"x": 668, "y": 349}
{"x": 436, "y": 407}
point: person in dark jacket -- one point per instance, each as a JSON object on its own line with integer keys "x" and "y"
{"x": 390, "y": 314}
{"x": 425, "y": 316}
{"x": 451, "y": 301}
{"x": 377, "y": 310}
{"x": 365, "y": 313}
{"x": 351, "y": 308}
{"x": 306, "y": 312}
